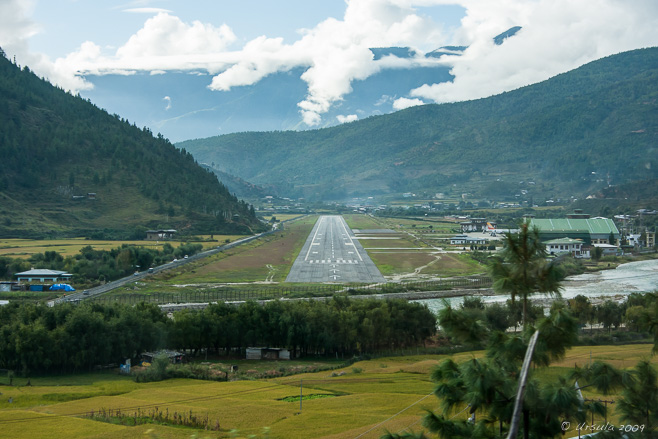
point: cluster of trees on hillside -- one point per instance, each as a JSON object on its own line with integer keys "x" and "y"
{"x": 37, "y": 338}
{"x": 51, "y": 139}
{"x": 90, "y": 266}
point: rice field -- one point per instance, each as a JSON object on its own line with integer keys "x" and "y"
{"x": 24, "y": 248}
{"x": 368, "y": 398}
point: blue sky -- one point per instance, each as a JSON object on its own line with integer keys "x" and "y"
{"x": 240, "y": 43}
{"x": 108, "y": 23}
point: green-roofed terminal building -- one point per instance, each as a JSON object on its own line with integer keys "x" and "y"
{"x": 590, "y": 230}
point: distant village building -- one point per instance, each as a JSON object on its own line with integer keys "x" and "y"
{"x": 7, "y": 286}
{"x": 578, "y": 214}
{"x": 43, "y": 275}
{"x": 590, "y": 231}
{"x": 642, "y": 240}
{"x": 268, "y": 354}
{"x": 174, "y": 357}
{"x": 465, "y": 240}
{"x": 159, "y": 235}
{"x": 607, "y": 249}
{"x": 566, "y": 245}
{"x": 651, "y": 239}
{"x": 474, "y": 225}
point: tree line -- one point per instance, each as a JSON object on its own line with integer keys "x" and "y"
{"x": 634, "y": 313}
{"x": 91, "y": 266}
{"x": 36, "y": 338}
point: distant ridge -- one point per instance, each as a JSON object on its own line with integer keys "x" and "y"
{"x": 569, "y": 135}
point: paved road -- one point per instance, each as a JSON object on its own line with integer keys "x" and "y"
{"x": 102, "y": 289}
{"x": 331, "y": 254}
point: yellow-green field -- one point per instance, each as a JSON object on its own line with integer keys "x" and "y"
{"x": 24, "y": 248}
{"x": 371, "y": 397}
{"x": 406, "y": 253}
{"x": 411, "y": 249}
{"x": 360, "y": 221}
{"x": 265, "y": 259}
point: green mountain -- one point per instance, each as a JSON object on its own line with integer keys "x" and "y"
{"x": 69, "y": 168}
{"x": 572, "y": 134}
{"x": 237, "y": 186}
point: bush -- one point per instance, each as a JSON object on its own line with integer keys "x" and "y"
{"x": 157, "y": 371}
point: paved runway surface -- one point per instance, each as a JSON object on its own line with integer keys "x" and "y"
{"x": 331, "y": 254}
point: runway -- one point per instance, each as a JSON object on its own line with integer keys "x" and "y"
{"x": 332, "y": 254}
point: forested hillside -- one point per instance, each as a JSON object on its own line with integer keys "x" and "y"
{"x": 600, "y": 118}
{"x": 69, "y": 168}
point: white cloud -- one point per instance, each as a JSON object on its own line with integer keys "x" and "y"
{"x": 556, "y": 36}
{"x": 349, "y": 118}
{"x": 15, "y": 30}
{"x": 335, "y": 52}
{"x": 402, "y": 103}
{"x": 15, "y": 26}
{"x": 164, "y": 43}
{"x": 167, "y": 99}
{"x": 165, "y": 36}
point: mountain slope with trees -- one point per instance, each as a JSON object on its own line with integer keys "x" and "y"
{"x": 599, "y": 118}
{"x": 69, "y": 168}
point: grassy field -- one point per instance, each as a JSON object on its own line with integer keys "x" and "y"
{"x": 361, "y": 221}
{"x": 24, "y": 248}
{"x": 267, "y": 261}
{"x": 369, "y": 396}
{"x": 427, "y": 264}
{"x": 264, "y": 260}
{"x": 410, "y": 251}
{"x": 405, "y": 253}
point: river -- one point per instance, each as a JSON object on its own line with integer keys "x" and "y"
{"x": 615, "y": 284}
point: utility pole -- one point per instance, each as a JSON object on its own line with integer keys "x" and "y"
{"x": 518, "y": 404}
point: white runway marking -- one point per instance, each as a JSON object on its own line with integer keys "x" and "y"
{"x": 327, "y": 249}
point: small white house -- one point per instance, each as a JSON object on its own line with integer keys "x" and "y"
{"x": 566, "y": 245}
{"x": 160, "y": 235}
{"x": 466, "y": 240}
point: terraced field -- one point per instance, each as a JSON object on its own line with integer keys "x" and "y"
{"x": 366, "y": 399}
